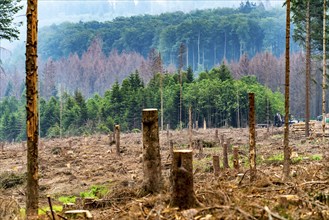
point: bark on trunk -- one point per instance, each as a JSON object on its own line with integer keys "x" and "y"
{"x": 308, "y": 71}
{"x": 32, "y": 193}
{"x": 215, "y": 163}
{"x": 252, "y": 137}
{"x": 324, "y": 77}
{"x": 190, "y": 126}
{"x": 151, "y": 152}
{"x": 182, "y": 195}
{"x": 236, "y": 158}
{"x": 225, "y": 156}
{"x": 117, "y": 139}
{"x": 287, "y": 151}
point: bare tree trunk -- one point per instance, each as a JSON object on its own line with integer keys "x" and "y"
{"x": 286, "y": 150}
{"x": 117, "y": 139}
{"x": 182, "y": 194}
{"x": 161, "y": 94}
{"x": 324, "y": 78}
{"x": 252, "y": 137}
{"x": 238, "y": 112}
{"x": 190, "y": 125}
{"x": 204, "y": 124}
{"x": 32, "y": 193}
{"x": 60, "y": 112}
{"x": 151, "y": 152}
{"x": 308, "y": 71}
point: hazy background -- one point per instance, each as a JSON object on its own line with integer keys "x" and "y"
{"x": 58, "y": 11}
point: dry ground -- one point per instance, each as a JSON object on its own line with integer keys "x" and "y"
{"x": 73, "y": 165}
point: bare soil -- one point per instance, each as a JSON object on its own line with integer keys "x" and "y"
{"x": 73, "y": 165}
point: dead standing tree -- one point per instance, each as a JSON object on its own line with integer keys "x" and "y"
{"x": 252, "y": 137}
{"x": 32, "y": 193}
{"x": 152, "y": 182}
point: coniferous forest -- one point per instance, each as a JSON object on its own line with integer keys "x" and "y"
{"x": 97, "y": 74}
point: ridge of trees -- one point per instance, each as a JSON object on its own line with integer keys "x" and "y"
{"x": 214, "y": 96}
{"x": 209, "y": 35}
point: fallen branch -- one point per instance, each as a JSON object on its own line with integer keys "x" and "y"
{"x": 313, "y": 182}
{"x": 245, "y": 213}
{"x": 269, "y": 212}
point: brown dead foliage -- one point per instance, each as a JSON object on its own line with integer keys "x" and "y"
{"x": 73, "y": 165}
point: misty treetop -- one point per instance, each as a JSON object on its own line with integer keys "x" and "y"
{"x": 214, "y": 96}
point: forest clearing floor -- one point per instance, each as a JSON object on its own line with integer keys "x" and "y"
{"x": 78, "y": 165}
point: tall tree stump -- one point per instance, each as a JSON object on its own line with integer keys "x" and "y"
{"x": 252, "y": 137}
{"x": 117, "y": 139}
{"x": 182, "y": 194}
{"x": 236, "y": 158}
{"x": 216, "y": 134}
{"x": 2, "y": 145}
{"x": 152, "y": 182}
{"x": 225, "y": 156}
{"x": 196, "y": 125}
{"x": 222, "y": 137}
{"x": 215, "y": 164}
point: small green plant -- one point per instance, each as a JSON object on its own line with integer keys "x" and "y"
{"x": 67, "y": 199}
{"x": 43, "y": 210}
{"x": 95, "y": 192}
{"x": 316, "y": 157}
{"x": 296, "y": 159}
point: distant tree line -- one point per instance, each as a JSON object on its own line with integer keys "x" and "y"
{"x": 210, "y": 36}
{"x": 214, "y": 96}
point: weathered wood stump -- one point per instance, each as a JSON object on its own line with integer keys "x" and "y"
{"x": 117, "y": 139}
{"x": 152, "y": 182}
{"x": 182, "y": 193}
{"x": 225, "y": 156}
{"x": 215, "y": 163}
{"x": 236, "y": 158}
{"x": 222, "y": 137}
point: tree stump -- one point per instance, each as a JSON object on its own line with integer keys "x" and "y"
{"x": 216, "y": 134}
{"x": 225, "y": 157}
{"x": 152, "y": 182}
{"x": 182, "y": 193}
{"x": 2, "y": 145}
{"x": 117, "y": 139}
{"x": 215, "y": 163}
{"x": 222, "y": 137}
{"x": 171, "y": 149}
{"x": 236, "y": 157}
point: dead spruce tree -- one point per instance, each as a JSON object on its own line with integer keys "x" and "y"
{"x": 152, "y": 182}
{"x": 32, "y": 193}
{"x": 252, "y": 137}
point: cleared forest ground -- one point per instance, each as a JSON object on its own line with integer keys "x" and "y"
{"x": 73, "y": 166}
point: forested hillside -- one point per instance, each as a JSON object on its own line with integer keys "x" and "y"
{"x": 209, "y": 36}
